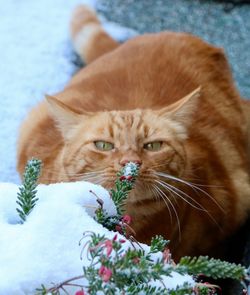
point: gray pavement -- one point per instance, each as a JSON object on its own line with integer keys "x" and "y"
{"x": 220, "y": 23}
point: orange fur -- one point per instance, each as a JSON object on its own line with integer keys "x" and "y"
{"x": 132, "y": 94}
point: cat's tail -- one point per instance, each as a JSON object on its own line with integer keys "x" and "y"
{"x": 89, "y": 38}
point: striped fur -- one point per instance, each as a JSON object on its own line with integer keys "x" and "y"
{"x": 195, "y": 190}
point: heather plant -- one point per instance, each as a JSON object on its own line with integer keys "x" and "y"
{"x": 121, "y": 265}
{"x": 26, "y": 197}
{"x": 114, "y": 269}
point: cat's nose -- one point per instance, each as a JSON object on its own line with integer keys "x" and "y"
{"x": 125, "y": 161}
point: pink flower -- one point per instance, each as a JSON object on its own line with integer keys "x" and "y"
{"x": 129, "y": 177}
{"x": 166, "y": 255}
{"x": 109, "y": 246}
{"x": 122, "y": 241}
{"x": 115, "y": 237}
{"x": 136, "y": 260}
{"x": 80, "y": 292}
{"x": 123, "y": 177}
{"x": 119, "y": 229}
{"x": 126, "y": 219}
{"x": 105, "y": 273}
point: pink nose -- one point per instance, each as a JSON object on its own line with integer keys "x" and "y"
{"x": 124, "y": 161}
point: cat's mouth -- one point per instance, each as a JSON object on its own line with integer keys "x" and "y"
{"x": 142, "y": 189}
{"x": 149, "y": 184}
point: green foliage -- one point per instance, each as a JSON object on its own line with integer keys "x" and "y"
{"x": 128, "y": 271}
{"x": 152, "y": 290}
{"x": 102, "y": 217}
{"x": 26, "y": 197}
{"x": 42, "y": 290}
{"x": 114, "y": 269}
{"x": 123, "y": 185}
{"x": 158, "y": 244}
{"x": 211, "y": 267}
{"x": 131, "y": 270}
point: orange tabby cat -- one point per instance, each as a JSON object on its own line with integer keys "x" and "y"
{"x": 166, "y": 101}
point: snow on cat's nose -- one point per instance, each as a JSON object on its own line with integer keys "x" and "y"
{"x": 134, "y": 159}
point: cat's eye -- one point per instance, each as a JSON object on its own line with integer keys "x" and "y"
{"x": 153, "y": 146}
{"x": 104, "y": 145}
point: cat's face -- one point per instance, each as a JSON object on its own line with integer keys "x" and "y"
{"x": 98, "y": 145}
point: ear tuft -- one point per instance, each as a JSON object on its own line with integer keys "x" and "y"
{"x": 66, "y": 117}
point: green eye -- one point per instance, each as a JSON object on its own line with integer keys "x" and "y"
{"x": 104, "y": 145}
{"x": 153, "y": 146}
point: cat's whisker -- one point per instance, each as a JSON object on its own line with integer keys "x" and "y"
{"x": 165, "y": 199}
{"x": 157, "y": 166}
{"x": 201, "y": 207}
{"x": 94, "y": 181}
{"x": 164, "y": 196}
{"x": 60, "y": 173}
{"x": 191, "y": 185}
{"x": 49, "y": 180}
{"x": 55, "y": 180}
{"x": 151, "y": 189}
{"x": 155, "y": 194}
{"x": 180, "y": 194}
{"x": 173, "y": 196}
{"x": 189, "y": 180}
{"x": 93, "y": 178}
{"x": 88, "y": 173}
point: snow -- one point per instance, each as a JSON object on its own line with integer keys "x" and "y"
{"x": 46, "y": 248}
{"x": 37, "y": 58}
{"x": 174, "y": 280}
{"x": 129, "y": 169}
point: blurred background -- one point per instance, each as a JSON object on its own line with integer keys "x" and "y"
{"x": 223, "y": 23}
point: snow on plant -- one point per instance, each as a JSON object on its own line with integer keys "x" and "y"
{"x": 26, "y": 198}
{"x": 120, "y": 265}
{"x": 123, "y": 185}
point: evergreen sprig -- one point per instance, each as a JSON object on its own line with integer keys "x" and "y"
{"x": 123, "y": 185}
{"x": 127, "y": 271}
{"x": 158, "y": 244}
{"x": 131, "y": 270}
{"x": 211, "y": 267}
{"x": 26, "y": 197}
{"x": 152, "y": 290}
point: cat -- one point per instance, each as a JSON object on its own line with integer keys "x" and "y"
{"x": 166, "y": 101}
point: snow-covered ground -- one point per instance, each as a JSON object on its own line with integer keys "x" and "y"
{"x": 45, "y": 249}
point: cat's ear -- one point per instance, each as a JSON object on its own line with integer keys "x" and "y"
{"x": 66, "y": 117}
{"x": 183, "y": 109}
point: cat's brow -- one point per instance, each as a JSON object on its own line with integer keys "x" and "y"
{"x": 125, "y": 120}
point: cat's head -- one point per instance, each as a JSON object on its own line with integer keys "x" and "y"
{"x": 98, "y": 144}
